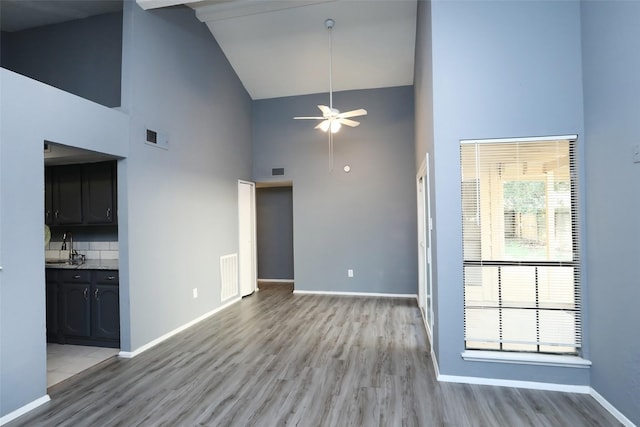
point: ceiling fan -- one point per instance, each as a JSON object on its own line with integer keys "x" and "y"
{"x": 332, "y": 118}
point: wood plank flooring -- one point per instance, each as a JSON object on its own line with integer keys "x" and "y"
{"x": 278, "y": 359}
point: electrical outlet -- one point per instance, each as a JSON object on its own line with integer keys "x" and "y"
{"x": 195, "y": 292}
{"x": 350, "y": 272}
{"x": 636, "y": 153}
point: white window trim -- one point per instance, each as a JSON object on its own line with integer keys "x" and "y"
{"x": 526, "y": 139}
{"x": 526, "y": 358}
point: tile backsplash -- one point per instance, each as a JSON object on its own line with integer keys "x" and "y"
{"x": 91, "y": 250}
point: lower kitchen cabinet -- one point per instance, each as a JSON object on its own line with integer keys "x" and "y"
{"x": 83, "y": 307}
{"x": 106, "y": 312}
{"x": 75, "y": 310}
{"x": 52, "y": 307}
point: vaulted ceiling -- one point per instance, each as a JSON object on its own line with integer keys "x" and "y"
{"x": 281, "y": 47}
{"x": 278, "y": 47}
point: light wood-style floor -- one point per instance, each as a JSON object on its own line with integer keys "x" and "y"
{"x": 278, "y": 359}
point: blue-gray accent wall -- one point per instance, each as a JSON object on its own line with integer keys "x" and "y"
{"x": 363, "y": 220}
{"x": 83, "y": 57}
{"x": 274, "y": 225}
{"x": 498, "y": 70}
{"x": 181, "y": 203}
{"x": 30, "y": 113}
{"x": 178, "y": 208}
{"x": 610, "y": 35}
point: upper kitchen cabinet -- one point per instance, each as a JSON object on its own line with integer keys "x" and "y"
{"x": 81, "y": 194}
{"x": 99, "y": 193}
{"x": 65, "y": 198}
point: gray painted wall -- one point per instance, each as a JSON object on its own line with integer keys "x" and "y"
{"x": 177, "y": 207}
{"x": 610, "y": 34}
{"x": 365, "y": 219}
{"x": 82, "y": 57}
{"x": 181, "y": 203}
{"x": 274, "y": 225}
{"x": 32, "y": 112}
{"x": 500, "y": 69}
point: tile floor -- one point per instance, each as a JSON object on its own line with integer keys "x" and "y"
{"x": 64, "y": 361}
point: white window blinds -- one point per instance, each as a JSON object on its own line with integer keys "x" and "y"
{"x": 520, "y": 245}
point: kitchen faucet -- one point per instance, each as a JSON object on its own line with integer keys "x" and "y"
{"x": 73, "y": 254}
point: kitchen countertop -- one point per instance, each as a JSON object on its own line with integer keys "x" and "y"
{"x": 90, "y": 264}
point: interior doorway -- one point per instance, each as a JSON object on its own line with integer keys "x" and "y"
{"x": 247, "y": 237}
{"x": 425, "y": 226}
{"x": 274, "y": 212}
{"x": 80, "y": 229}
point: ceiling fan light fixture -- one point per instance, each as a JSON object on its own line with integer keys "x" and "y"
{"x": 335, "y": 126}
{"x": 324, "y": 126}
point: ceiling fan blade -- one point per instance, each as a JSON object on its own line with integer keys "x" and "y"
{"x": 308, "y": 118}
{"x": 348, "y": 122}
{"x": 325, "y": 110}
{"x": 353, "y": 113}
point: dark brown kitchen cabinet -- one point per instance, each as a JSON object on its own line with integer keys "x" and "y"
{"x": 75, "y": 310}
{"x": 106, "y": 305}
{"x": 52, "y": 306}
{"x": 99, "y": 193}
{"x": 75, "y": 304}
{"x": 81, "y": 194}
{"x": 65, "y": 195}
{"x": 85, "y": 309}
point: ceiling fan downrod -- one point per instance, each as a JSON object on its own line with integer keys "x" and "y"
{"x": 329, "y": 23}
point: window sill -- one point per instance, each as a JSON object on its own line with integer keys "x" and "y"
{"x": 526, "y": 359}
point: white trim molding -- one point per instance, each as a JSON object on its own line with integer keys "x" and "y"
{"x": 24, "y": 409}
{"x": 612, "y": 409}
{"x": 568, "y": 388}
{"x": 526, "y": 359}
{"x": 147, "y": 346}
{"x": 355, "y": 294}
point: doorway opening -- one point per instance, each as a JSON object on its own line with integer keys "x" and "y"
{"x": 425, "y": 226}
{"x": 81, "y": 259}
{"x": 274, "y": 213}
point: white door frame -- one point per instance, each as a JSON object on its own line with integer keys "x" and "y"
{"x": 247, "y": 269}
{"x": 425, "y": 226}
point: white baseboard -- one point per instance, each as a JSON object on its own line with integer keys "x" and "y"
{"x": 355, "y": 294}
{"x": 435, "y": 364}
{"x": 23, "y": 410}
{"x": 131, "y": 354}
{"x": 612, "y": 409}
{"x": 276, "y": 280}
{"x": 568, "y": 388}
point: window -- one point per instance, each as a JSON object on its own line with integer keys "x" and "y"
{"x": 520, "y": 245}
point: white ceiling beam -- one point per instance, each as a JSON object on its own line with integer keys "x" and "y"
{"x": 210, "y": 11}
{"x": 157, "y": 4}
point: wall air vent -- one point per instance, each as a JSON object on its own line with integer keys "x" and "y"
{"x": 277, "y": 171}
{"x": 152, "y": 136}
{"x": 157, "y": 139}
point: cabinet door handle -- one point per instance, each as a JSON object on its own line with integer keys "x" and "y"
{"x": 111, "y": 277}
{"x": 95, "y": 295}
{"x": 56, "y": 214}
{"x": 108, "y": 213}
{"x": 77, "y": 276}
{"x": 48, "y": 215}
{"x": 86, "y": 293}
